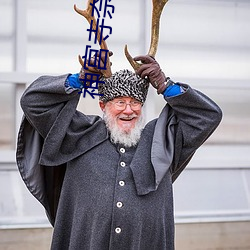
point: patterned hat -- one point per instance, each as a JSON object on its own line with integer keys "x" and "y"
{"x": 123, "y": 83}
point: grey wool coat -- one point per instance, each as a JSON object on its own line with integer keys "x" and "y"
{"x": 99, "y": 195}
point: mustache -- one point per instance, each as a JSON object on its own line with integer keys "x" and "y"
{"x": 122, "y": 116}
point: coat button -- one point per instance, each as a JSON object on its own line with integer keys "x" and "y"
{"x": 118, "y": 230}
{"x": 123, "y": 164}
{"x": 122, "y": 150}
{"x": 119, "y": 204}
{"x": 121, "y": 183}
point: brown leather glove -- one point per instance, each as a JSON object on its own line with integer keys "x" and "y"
{"x": 151, "y": 70}
{"x": 94, "y": 70}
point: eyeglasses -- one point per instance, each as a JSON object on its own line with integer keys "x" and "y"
{"x": 121, "y": 105}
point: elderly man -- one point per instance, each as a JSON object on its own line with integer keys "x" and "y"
{"x": 107, "y": 183}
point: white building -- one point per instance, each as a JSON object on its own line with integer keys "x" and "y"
{"x": 205, "y": 43}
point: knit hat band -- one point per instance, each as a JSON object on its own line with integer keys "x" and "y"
{"x": 123, "y": 83}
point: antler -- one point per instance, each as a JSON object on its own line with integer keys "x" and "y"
{"x": 87, "y": 13}
{"x": 158, "y": 6}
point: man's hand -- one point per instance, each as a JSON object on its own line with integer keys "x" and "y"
{"x": 94, "y": 70}
{"x": 151, "y": 69}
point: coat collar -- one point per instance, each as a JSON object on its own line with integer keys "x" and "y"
{"x": 154, "y": 154}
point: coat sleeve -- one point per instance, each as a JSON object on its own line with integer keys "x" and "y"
{"x": 44, "y": 99}
{"x": 67, "y": 133}
{"x": 197, "y": 117}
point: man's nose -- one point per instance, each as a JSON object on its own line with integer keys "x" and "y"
{"x": 128, "y": 110}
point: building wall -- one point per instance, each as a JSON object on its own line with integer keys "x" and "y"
{"x": 204, "y": 43}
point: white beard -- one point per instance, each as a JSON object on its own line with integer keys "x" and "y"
{"x": 127, "y": 139}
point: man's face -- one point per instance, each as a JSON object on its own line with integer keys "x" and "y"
{"x": 125, "y": 117}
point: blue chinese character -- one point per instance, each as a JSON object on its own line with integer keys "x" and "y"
{"x": 106, "y": 6}
{"x": 102, "y": 26}
{"x": 94, "y": 8}
{"x": 90, "y": 81}
{"x": 93, "y": 53}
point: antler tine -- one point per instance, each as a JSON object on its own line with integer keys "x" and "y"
{"x": 158, "y": 6}
{"x": 87, "y": 13}
{"x": 135, "y": 65}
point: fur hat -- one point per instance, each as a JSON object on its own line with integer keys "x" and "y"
{"x": 123, "y": 83}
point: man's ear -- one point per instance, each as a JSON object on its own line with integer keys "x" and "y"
{"x": 102, "y": 105}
